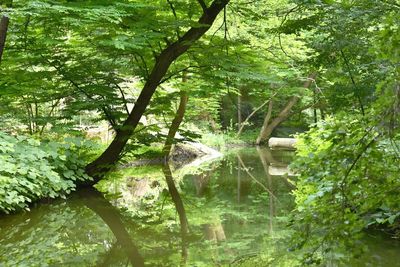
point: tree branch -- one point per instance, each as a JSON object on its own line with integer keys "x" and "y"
{"x": 106, "y": 110}
{"x": 176, "y": 17}
{"x": 252, "y": 114}
{"x": 342, "y": 183}
{"x": 203, "y": 5}
{"x": 352, "y": 81}
{"x": 123, "y": 97}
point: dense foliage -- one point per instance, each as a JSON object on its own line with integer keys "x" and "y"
{"x": 349, "y": 162}
{"x": 116, "y": 72}
{"x": 349, "y": 182}
{"x": 32, "y": 170}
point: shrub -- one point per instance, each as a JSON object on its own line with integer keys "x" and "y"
{"x": 32, "y": 169}
{"x": 348, "y": 182}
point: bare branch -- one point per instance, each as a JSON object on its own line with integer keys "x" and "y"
{"x": 252, "y": 114}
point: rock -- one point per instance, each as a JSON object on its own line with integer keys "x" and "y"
{"x": 202, "y": 153}
{"x": 187, "y": 153}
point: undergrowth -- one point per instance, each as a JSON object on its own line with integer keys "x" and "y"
{"x": 32, "y": 169}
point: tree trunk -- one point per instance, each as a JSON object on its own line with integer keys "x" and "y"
{"x": 239, "y": 110}
{"x": 110, "y": 156}
{"x": 266, "y": 129}
{"x": 239, "y": 181}
{"x": 263, "y": 131}
{"x": 3, "y": 33}
{"x": 180, "y": 113}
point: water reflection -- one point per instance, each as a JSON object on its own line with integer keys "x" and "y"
{"x": 64, "y": 232}
{"x": 266, "y": 159}
{"x": 176, "y": 198}
{"x": 144, "y": 230}
{"x": 95, "y": 201}
{"x": 230, "y": 212}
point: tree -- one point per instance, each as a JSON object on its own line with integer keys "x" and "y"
{"x": 268, "y": 127}
{"x": 110, "y": 156}
{"x": 180, "y": 113}
{"x": 349, "y": 162}
{"x": 3, "y": 33}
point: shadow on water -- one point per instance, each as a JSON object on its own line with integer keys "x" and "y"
{"x": 231, "y": 212}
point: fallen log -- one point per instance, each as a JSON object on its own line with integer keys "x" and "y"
{"x": 280, "y": 171}
{"x": 282, "y": 143}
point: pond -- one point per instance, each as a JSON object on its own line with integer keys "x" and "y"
{"x": 229, "y": 212}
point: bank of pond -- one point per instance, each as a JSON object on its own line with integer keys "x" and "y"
{"x": 232, "y": 211}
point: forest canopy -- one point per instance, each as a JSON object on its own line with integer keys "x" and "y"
{"x": 88, "y": 85}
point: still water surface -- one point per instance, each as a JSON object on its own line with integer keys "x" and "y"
{"x": 230, "y": 212}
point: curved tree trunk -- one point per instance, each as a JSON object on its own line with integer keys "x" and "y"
{"x": 264, "y": 133}
{"x": 267, "y": 129}
{"x": 180, "y": 113}
{"x": 3, "y": 33}
{"x": 176, "y": 198}
{"x": 110, "y": 156}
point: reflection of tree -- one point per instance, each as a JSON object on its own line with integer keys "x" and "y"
{"x": 176, "y": 198}
{"x": 109, "y": 256}
{"x": 200, "y": 182}
{"x": 266, "y": 159}
{"x": 95, "y": 201}
{"x": 201, "y": 179}
{"x": 63, "y": 233}
{"x": 214, "y": 232}
{"x": 252, "y": 176}
{"x": 266, "y": 156}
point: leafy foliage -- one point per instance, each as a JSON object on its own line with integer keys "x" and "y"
{"x": 32, "y": 169}
{"x": 69, "y": 63}
{"x": 348, "y": 182}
